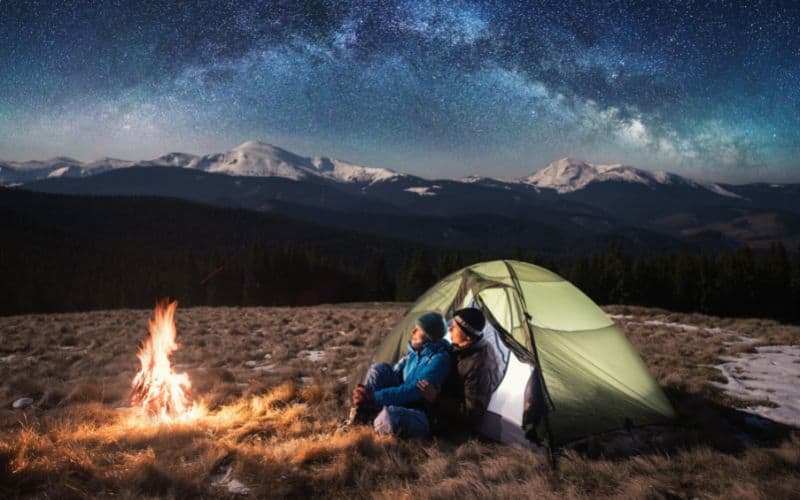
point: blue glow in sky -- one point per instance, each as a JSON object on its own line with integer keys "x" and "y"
{"x": 439, "y": 89}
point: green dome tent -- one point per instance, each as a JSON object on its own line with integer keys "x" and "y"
{"x": 564, "y": 370}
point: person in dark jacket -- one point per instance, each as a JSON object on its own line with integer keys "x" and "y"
{"x": 389, "y": 398}
{"x": 458, "y": 406}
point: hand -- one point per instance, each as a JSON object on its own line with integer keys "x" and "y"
{"x": 362, "y": 394}
{"x": 429, "y": 391}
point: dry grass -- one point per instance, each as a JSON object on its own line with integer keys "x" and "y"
{"x": 273, "y": 404}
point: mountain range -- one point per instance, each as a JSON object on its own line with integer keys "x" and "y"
{"x": 565, "y": 202}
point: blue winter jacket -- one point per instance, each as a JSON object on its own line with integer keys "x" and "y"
{"x": 431, "y": 364}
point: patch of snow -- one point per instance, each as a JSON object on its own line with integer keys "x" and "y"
{"x": 421, "y": 191}
{"x": 264, "y": 368}
{"x": 681, "y": 326}
{"x": 342, "y": 380}
{"x": 655, "y": 322}
{"x": 716, "y": 188}
{"x": 109, "y": 164}
{"x": 58, "y": 172}
{"x": 312, "y": 355}
{"x": 743, "y": 339}
{"x": 631, "y": 319}
{"x": 471, "y": 179}
{"x": 224, "y": 478}
{"x": 8, "y": 359}
{"x": 173, "y": 160}
{"x": 238, "y": 488}
{"x": 662, "y": 177}
{"x": 22, "y": 403}
{"x": 342, "y": 171}
{"x": 771, "y": 373}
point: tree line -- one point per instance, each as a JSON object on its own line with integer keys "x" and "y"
{"x": 83, "y": 277}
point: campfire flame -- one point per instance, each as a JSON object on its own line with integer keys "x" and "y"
{"x": 160, "y": 391}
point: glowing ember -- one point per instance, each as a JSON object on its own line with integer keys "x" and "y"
{"x": 156, "y": 388}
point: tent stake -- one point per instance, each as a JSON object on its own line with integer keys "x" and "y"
{"x": 551, "y": 459}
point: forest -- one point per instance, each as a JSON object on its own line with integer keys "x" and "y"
{"x": 62, "y": 253}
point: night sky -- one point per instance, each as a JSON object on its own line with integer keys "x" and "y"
{"x": 439, "y": 89}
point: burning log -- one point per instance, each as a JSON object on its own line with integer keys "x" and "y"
{"x": 156, "y": 388}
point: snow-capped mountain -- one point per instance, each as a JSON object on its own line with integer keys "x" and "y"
{"x": 108, "y": 164}
{"x": 78, "y": 169}
{"x": 62, "y": 166}
{"x": 258, "y": 159}
{"x": 250, "y": 159}
{"x": 491, "y": 181}
{"x": 568, "y": 175}
{"x": 171, "y": 160}
{"x": 52, "y": 163}
{"x": 568, "y": 193}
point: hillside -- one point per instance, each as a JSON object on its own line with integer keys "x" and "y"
{"x": 273, "y": 385}
{"x": 66, "y": 253}
{"x": 564, "y": 200}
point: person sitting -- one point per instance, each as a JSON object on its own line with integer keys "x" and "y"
{"x": 458, "y": 406}
{"x": 389, "y": 398}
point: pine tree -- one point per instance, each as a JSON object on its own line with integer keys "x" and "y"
{"x": 414, "y": 277}
{"x": 685, "y": 282}
{"x": 795, "y": 285}
{"x": 375, "y": 281}
{"x": 774, "y": 282}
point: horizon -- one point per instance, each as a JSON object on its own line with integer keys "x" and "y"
{"x": 433, "y": 89}
{"x": 505, "y": 179}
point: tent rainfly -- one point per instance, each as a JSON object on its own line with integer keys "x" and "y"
{"x": 564, "y": 370}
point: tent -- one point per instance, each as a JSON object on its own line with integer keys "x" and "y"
{"x": 564, "y": 370}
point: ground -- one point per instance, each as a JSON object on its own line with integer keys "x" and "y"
{"x": 272, "y": 382}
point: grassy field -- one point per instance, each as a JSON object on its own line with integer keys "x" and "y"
{"x": 271, "y": 383}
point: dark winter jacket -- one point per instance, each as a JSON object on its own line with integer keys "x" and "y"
{"x": 432, "y": 363}
{"x": 465, "y": 394}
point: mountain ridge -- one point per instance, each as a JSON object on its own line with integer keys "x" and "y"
{"x": 259, "y": 159}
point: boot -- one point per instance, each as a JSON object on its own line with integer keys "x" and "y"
{"x": 359, "y": 416}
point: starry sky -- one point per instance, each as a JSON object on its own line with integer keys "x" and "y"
{"x": 707, "y": 89}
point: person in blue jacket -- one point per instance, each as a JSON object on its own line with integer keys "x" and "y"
{"x": 389, "y": 398}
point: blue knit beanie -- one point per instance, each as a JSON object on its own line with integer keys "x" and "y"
{"x": 432, "y": 323}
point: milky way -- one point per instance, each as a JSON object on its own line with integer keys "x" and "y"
{"x": 709, "y": 89}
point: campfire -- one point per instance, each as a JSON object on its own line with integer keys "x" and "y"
{"x": 157, "y": 389}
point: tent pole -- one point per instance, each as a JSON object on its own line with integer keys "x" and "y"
{"x": 521, "y": 301}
